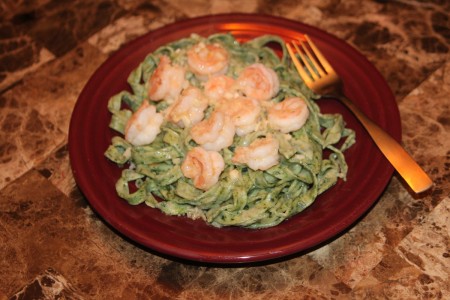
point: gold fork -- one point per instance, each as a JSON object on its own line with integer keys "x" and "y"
{"x": 320, "y": 77}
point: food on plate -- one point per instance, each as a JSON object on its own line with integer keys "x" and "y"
{"x": 225, "y": 131}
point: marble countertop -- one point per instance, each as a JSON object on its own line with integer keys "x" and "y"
{"x": 53, "y": 246}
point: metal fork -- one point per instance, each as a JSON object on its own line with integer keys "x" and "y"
{"x": 320, "y": 76}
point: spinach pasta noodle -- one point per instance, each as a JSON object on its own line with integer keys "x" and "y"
{"x": 309, "y": 160}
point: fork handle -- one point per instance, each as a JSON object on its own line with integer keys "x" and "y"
{"x": 405, "y": 165}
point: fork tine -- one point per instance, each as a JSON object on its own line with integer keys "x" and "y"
{"x": 323, "y": 61}
{"x": 318, "y": 68}
{"x": 304, "y": 57}
{"x": 298, "y": 65}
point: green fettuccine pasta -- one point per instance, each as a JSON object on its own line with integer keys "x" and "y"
{"x": 311, "y": 158}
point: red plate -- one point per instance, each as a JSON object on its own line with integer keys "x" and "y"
{"x": 332, "y": 212}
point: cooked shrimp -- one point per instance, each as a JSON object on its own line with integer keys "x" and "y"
{"x": 261, "y": 154}
{"x": 259, "y": 82}
{"x": 166, "y": 82}
{"x": 219, "y": 87}
{"x": 206, "y": 60}
{"x": 215, "y": 133}
{"x": 189, "y": 108}
{"x": 203, "y": 167}
{"x": 244, "y": 113}
{"x": 144, "y": 125}
{"x": 288, "y": 115}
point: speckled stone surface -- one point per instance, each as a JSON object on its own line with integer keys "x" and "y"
{"x": 52, "y": 246}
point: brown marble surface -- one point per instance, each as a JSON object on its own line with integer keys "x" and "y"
{"x": 52, "y": 246}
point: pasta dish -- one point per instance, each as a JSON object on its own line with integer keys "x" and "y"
{"x": 224, "y": 131}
